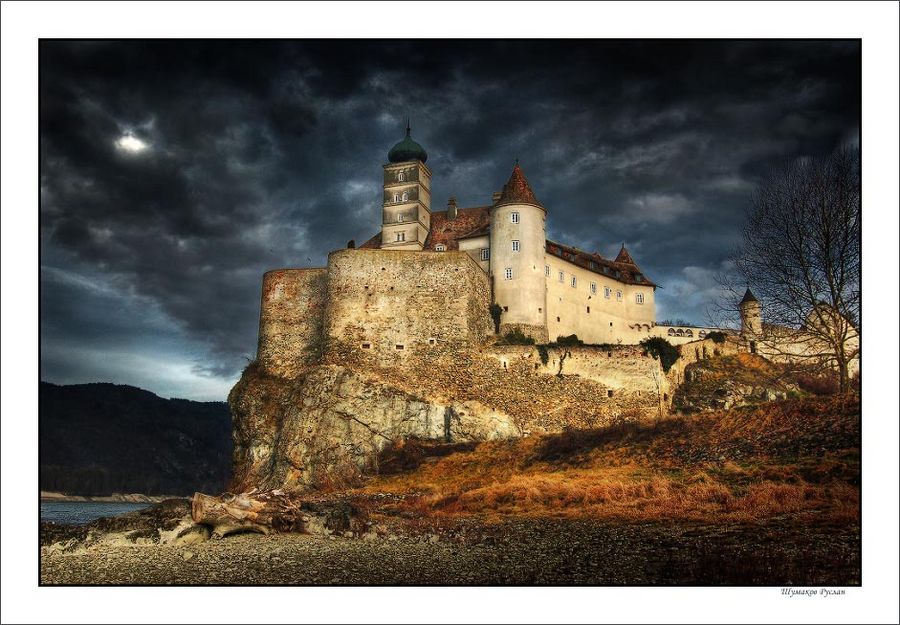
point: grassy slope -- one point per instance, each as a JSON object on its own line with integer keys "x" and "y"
{"x": 798, "y": 458}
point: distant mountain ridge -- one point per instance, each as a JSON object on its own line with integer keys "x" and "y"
{"x": 99, "y": 439}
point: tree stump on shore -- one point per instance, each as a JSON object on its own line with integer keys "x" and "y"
{"x": 273, "y": 511}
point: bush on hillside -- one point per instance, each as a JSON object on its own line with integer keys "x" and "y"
{"x": 716, "y": 336}
{"x": 516, "y": 337}
{"x": 660, "y": 348}
{"x": 569, "y": 341}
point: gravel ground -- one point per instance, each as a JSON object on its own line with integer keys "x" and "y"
{"x": 516, "y": 552}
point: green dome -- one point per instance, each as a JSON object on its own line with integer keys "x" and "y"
{"x": 407, "y": 150}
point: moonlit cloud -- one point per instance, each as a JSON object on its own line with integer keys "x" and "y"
{"x": 130, "y": 143}
{"x": 174, "y": 173}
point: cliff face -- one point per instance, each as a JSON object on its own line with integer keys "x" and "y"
{"x": 325, "y": 427}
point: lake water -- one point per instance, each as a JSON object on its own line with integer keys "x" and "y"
{"x": 80, "y": 512}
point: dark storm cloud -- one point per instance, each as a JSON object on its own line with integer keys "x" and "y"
{"x": 267, "y": 154}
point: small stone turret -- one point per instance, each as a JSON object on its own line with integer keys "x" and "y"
{"x": 751, "y": 315}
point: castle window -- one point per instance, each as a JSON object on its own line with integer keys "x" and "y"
{"x": 432, "y": 341}
{"x": 606, "y": 270}
{"x": 514, "y": 217}
{"x": 440, "y": 247}
{"x": 486, "y": 253}
{"x": 508, "y": 273}
{"x": 574, "y": 282}
{"x": 405, "y": 196}
{"x": 400, "y": 176}
{"x": 367, "y": 346}
{"x": 540, "y": 310}
{"x": 506, "y": 309}
{"x": 609, "y": 393}
{"x": 401, "y": 236}
{"x": 589, "y": 310}
{"x": 557, "y": 321}
{"x": 399, "y": 346}
{"x": 639, "y": 298}
{"x": 547, "y": 270}
{"x": 619, "y": 295}
{"x": 396, "y": 197}
{"x": 562, "y": 277}
{"x": 618, "y": 274}
{"x": 607, "y": 292}
{"x": 400, "y": 217}
{"x": 671, "y": 332}
{"x": 515, "y": 246}
{"x": 593, "y": 288}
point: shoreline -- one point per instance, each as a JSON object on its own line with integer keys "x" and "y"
{"x": 49, "y": 496}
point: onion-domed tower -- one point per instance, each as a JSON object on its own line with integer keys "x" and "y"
{"x": 406, "y": 207}
{"x": 518, "y": 244}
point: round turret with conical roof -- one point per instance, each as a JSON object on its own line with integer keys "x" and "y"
{"x": 751, "y": 315}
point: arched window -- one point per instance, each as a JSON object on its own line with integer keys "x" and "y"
{"x": 639, "y": 298}
{"x": 396, "y": 197}
{"x": 679, "y": 332}
{"x": 671, "y": 331}
{"x": 400, "y": 217}
{"x": 405, "y": 196}
{"x": 689, "y": 333}
{"x": 401, "y": 176}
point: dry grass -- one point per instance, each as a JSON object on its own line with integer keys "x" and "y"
{"x": 654, "y": 471}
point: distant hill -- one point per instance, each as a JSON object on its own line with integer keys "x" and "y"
{"x": 99, "y": 439}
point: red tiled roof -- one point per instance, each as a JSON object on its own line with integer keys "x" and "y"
{"x": 622, "y": 272}
{"x": 625, "y": 257}
{"x": 372, "y": 244}
{"x": 469, "y": 222}
{"x": 517, "y": 190}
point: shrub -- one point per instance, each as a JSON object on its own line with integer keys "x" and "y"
{"x": 544, "y": 354}
{"x": 516, "y": 337}
{"x": 821, "y": 384}
{"x": 716, "y": 336}
{"x": 660, "y": 348}
{"x": 569, "y": 341}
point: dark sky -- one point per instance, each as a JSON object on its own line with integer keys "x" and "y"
{"x": 173, "y": 174}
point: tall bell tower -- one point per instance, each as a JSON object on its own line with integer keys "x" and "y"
{"x": 406, "y": 207}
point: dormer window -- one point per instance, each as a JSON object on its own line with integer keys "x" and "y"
{"x": 440, "y": 247}
{"x": 638, "y": 277}
{"x": 514, "y": 217}
{"x": 593, "y": 265}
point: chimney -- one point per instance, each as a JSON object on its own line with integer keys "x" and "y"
{"x": 451, "y": 208}
{"x": 496, "y": 196}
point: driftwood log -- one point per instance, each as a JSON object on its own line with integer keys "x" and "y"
{"x": 273, "y": 511}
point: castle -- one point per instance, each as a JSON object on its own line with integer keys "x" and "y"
{"x": 546, "y": 289}
{"x": 396, "y": 338}
{"x": 424, "y": 284}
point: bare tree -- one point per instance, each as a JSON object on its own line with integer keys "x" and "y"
{"x": 800, "y": 255}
